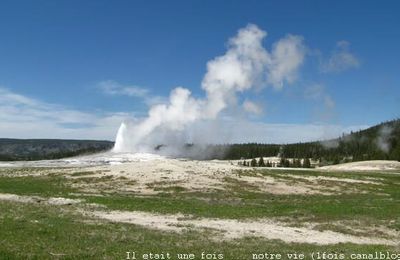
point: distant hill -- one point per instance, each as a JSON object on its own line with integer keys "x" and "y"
{"x": 380, "y": 142}
{"x": 40, "y": 149}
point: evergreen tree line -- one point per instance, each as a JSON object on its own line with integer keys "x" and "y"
{"x": 295, "y": 163}
{"x": 380, "y": 142}
{"x": 46, "y": 149}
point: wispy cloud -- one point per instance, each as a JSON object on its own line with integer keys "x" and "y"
{"x": 25, "y": 117}
{"x": 341, "y": 59}
{"x": 325, "y": 110}
{"x": 317, "y": 92}
{"x": 111, "y": 87}
{"x": 286, "y": 57}
{"x": 114, "y": 88}
{"x": 251, "y": 107}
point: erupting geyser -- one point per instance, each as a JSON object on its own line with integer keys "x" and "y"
{"x": 121, "y": 144}
{"x": 245, "y": 64}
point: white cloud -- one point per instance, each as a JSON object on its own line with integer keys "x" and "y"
{"x": 114, "y": 88}
{"x": 314, "y": 91}
{"x": 252, "y": 107}
{"x": 317, "y": 92}
{"x": 25, "y": 117}
{"x": 341, "y": 59}
{"x": 286, "y": 57}
{"x": 325, "y": 104}
{"x": 329, "y": 102}
{"x": 155, "y": 100}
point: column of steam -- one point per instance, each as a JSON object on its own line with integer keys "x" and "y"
{"x": 245, "y": 64}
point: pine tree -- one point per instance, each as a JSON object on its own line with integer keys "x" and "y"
{"x": 287, "y": 163}
{"x": 253, "y": 163}
{"x": 297, "y": 163}
{"x": 282, "y": 162}
{"x": 336, "y": 160}
{"x": 261, "y": 162}
{"x": 307, "y": 163}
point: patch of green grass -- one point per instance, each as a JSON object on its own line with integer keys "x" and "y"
{"x": 93, "y": 179}
{"x": 237, "y": 186}
{"x": 45, "y": 186}
{"x": 74, "y": 174}
{"x": 376, "y": 204}
{"x": 21, "y": 171}
{"x": 254, "y": 205}
{"x": 40, "y": 232}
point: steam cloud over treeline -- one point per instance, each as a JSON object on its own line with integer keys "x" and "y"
{"x": 245, "y": 65}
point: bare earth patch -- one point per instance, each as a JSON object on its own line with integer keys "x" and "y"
{"x": 147, "y": 177}
{"x": 280, "y": 187}
{"x": 232, "y": 229}
{"x": 315, "y": 179}
{"x": 376, "y": 165}
{"x": 151, "y": 177}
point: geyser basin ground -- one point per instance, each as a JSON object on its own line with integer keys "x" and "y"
{"x": 108, "y": 204}
{"x": 106, "y": 158}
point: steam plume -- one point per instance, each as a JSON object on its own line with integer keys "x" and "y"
{"x": 246, "y": 64}
{"x": 383, "y": 139}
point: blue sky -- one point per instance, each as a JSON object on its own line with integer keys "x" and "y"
{"x": 76, "y": 69}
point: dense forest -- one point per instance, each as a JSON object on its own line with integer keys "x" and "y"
{"x": 41, "y": 149}
{"x": 380, "y": 142}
